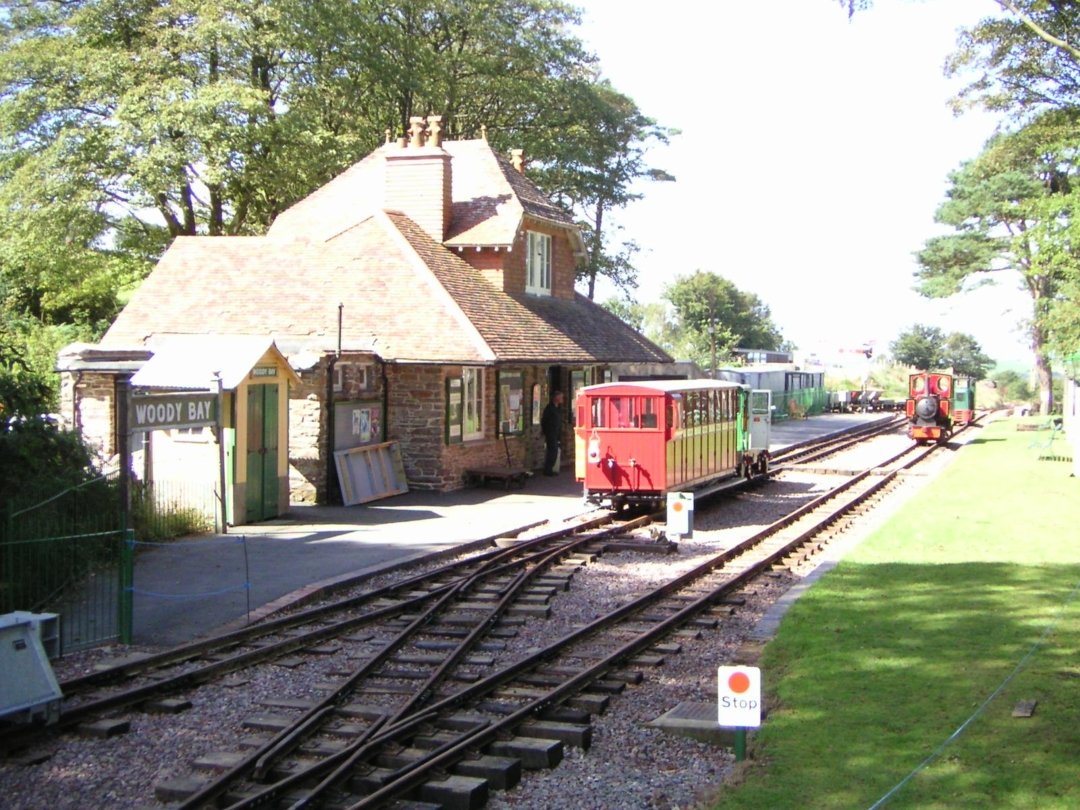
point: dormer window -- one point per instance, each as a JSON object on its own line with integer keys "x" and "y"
{"x": 538, "y": 263}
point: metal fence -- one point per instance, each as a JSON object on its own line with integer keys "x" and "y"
{"x": 84, "y": 578}
{"x": 800, "y": 403}
{"x": 164, "y": 509}
{"x": 67, "y": 555}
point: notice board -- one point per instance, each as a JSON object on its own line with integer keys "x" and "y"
{"x": 370, "y": 472}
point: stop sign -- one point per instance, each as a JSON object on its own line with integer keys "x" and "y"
{"x": 738, "y": 700}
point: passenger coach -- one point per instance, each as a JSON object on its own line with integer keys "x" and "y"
{"x": 963, "y": 412}
{"x": 638, "y": 441}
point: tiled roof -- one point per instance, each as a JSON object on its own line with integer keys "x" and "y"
{"x": 404, "y": 296}
{"x": 489, "y": 199}
{"x": 291, "y": 289}
{"x": 528, "y": 328}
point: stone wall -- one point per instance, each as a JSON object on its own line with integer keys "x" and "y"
{"x": 356, "y": 376}
{"x": 416, "y": 419}
{"x": 88, "y": 405}
{"x": 307, "y": 415}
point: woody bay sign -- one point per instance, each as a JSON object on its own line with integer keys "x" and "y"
{"x": 153, "y": 412}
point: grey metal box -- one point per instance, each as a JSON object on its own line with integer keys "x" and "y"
{"x": 28, "y": 689}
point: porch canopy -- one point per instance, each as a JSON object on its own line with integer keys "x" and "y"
{"x": 192, "y": 362}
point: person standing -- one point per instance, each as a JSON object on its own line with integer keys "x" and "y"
{"x": 551, "y": 424}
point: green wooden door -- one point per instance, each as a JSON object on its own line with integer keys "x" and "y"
{"x": 262, "y": 446}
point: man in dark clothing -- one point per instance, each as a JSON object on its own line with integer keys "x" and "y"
{"x": 551, "y": 425}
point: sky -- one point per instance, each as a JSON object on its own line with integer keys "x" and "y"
{"x": 813, "y": 154}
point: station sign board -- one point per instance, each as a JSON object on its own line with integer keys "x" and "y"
{"x": 169, "y": 411}
{"x": 738, "y": 700}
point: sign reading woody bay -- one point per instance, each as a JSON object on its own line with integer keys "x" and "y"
{"x": 162, "y": 411}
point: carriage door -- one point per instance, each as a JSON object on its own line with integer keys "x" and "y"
{"x": 262, "y": 447}
{"x": 760, "y": 419}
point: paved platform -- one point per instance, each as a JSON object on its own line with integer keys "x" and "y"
{"x": 186, "y": 589}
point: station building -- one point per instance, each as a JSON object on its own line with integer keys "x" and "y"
{"x": 423, "y": 299}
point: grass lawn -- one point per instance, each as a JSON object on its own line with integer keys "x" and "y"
{"x": 892, "y": 682}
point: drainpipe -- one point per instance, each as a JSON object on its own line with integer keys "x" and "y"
{"x": 331, "y": 469}
{"x": 385, "y": 401}
{"x": 219, "y": 429}
{"x": 75, "y": 421}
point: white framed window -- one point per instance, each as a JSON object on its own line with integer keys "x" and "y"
{"x": 472, "y": 417}
{"x": 358, "y": 375}
{"x": 537, "y": 263}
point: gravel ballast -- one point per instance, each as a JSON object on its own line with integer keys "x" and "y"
{"x": 630, "y": 765}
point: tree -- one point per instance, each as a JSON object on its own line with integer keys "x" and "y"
{"x": 23, "y": 395}
{"x": 629, "y": 312}
{"x": 37, "y": 459}
{"x": 1024, "y": 62}
{"x": 928, "y": 347}
{"x": 1011, "y": 387}
{"x": 1009, "y": 210}
{"x": 599, "y": 155}
{"x": 126, "y": 123}
{"x": 217, "y": 114}
{"x": 717, "y": 317}
{"x": 918, "y": 347}
{"x": 963, "y": 354}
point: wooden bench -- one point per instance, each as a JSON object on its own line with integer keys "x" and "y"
{"x": 507, "y": 476}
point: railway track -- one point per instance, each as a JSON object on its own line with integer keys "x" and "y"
{"x": 438, "y": 709}
{"x": 528, "y": 710}
{"x": 145, "y": 679}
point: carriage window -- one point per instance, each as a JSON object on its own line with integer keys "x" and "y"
{"x": 687, "y": 420}
{"x": 597, "y": 404}
{"x": 622, "y": 412}
{"x": 648, "y": 413}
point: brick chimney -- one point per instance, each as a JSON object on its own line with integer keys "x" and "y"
{"x": 418, "y": 177}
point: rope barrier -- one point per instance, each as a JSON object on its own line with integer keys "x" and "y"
{"x": 1039, "y": 642}
{"x": 186, "y": 596}
{"x": 201, "y": 544}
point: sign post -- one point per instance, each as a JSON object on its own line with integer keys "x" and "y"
{"x": 157, "y": 411}
{"x": 738, "y": 702}
{"x": 680, "y": 515}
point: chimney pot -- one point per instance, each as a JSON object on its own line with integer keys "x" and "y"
{"x": 418, "y": 181}
{"x": 517, "y": 158}
{"x": 434, "y": 130}
{"x": 416, "y": 131}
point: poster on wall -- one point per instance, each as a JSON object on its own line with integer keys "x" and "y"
{"x": 537, "y": 402}
{"x": 511, "y": 402}
{"x": 357, "y": 423}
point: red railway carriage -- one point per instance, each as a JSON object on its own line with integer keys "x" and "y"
{"x": 637, "y": 441}
{"x": 929, "y": 406}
